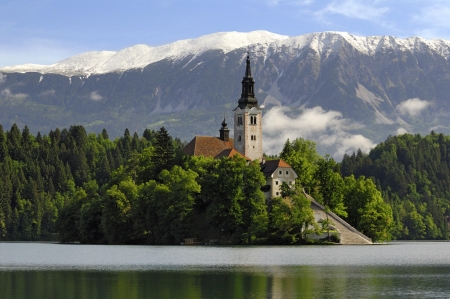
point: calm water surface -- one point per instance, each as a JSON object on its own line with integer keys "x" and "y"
{"x": 397, "y": 270}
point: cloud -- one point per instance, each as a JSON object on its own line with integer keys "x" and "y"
{"x": 327, "y": 128}
{"x": 95, "y": 96}
{"x": 401, "y": 131}
{"x": 288, "y": 2}
{"x": 47, "y": 93}
{"x": 2, "y": 78}
{"x": 436, "y": 18}
{"x": 8, "y": 94}
{"x": 355, "y": 10}
{"x": 412, "y": 107}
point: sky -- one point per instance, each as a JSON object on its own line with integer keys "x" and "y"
{"x": 47, "y": 31}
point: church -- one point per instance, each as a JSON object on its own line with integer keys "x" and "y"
{"x": 247, "y": 141}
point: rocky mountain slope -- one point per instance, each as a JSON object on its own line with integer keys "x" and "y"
{"x": 340, "y": 90}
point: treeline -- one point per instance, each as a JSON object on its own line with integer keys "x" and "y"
{"x": 72, "y": 186}
{"x": 414, "y": 174}
{"x": 40, "y": 175}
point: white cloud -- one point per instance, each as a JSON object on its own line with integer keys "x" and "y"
{"x": 401, "y": 131}
{"x": 355, "y": 9}
{"x": 47, "y": 93}
{"x": 288, "y": 2}
{"x": 412, "y": 107}
{"x": 436, "y": 18}
{"x": 96, "y": 96}
{"x": 326, "y": 128}
{"x": 2, "y": 78}
{"x": 8, "y": 94}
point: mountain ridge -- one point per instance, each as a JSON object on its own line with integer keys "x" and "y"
{"x": 342, "y": 91}
{"x": 139, "y": 56}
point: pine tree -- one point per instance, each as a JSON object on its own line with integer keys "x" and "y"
{"x": 164, "y": 151}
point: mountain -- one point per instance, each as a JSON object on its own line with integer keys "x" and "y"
{"x": 341, "y": 90}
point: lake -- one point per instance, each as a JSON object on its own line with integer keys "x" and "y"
{"x": 399, "y": 269}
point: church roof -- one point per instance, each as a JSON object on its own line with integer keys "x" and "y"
{"x": 270, "y": 166}
{"x": 208, "y": 146}
{"x": 231, "y": 153}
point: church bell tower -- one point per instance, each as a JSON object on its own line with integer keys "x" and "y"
{"x": 248, "y": 119}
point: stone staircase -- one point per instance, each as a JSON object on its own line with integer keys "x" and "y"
{"x": 349, "y": 234}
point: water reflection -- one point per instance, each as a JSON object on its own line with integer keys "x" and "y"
{"x": 412, "y": 270}
{"x": 239, "y": 282}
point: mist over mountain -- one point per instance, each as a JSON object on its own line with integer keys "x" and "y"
{"x": 343, "y": 91}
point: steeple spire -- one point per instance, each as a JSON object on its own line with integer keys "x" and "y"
{"x": 248, "y": 95}
{"x": 224, "y": 131}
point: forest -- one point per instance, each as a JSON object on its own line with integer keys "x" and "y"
{"x": 74, "y": 187}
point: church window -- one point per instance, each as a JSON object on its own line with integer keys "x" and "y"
{"x": 239, "y": 120}
{"x": 239, "y": 138}
{"x": 287, "y": 172}
{"x": 253, "y": 120}
{"x": 276, "y": 182}
{"x": 280, "y": 172}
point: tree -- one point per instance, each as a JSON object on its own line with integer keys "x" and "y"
{"x": 117, "y": 222}
{"x": 289, "y": 218}
{"x": 330, "y": 186}
{"x": 302, "y": 156}
{"x": 164, "y": 151}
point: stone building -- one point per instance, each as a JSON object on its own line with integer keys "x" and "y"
{"x": 277, "y": 172}
{"x": 248, "y": 120}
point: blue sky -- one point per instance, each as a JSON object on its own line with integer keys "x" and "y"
{"x": 46, "y": 31}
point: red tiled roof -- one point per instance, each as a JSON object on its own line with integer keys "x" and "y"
{"x": 268, "y": 167}
{"x": 208, "y": 146}
{"x": 231, "y": 153}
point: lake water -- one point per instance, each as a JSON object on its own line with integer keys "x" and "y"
{"x": 403, "y": 269}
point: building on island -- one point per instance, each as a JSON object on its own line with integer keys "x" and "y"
{"x": 247, "y": 141}
{"x": 277, "y": 172}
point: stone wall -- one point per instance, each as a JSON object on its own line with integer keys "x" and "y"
{"x": 349, "y": 234}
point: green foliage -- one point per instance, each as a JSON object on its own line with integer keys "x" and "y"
{"x": 366, "y": 208}
{"x": 289, "y": 218}
{"x": 301, "y": 154}
{"x": 413, "y": 172}
{"x": 85, "y": 188}
{"x": 42, "y": 179}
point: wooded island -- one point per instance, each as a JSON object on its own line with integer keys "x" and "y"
{"x": 72, "y": 186}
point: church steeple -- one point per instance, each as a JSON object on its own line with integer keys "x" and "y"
{"x": 224, "y": 131}
{"x": 248, "y": 119}
{"x": 248, "y": 95}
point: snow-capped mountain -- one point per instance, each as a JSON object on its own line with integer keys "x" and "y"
{"x": 368, "y": 87}
{"x": 139, "y": 56}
